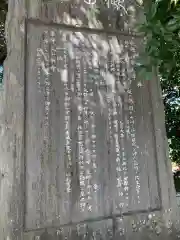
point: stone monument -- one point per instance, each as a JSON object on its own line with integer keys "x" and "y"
{"x": 84, "y": 151}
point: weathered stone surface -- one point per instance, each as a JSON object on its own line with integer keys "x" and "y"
{"x": 70, "y": 70}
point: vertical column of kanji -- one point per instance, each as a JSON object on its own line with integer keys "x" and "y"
{"x": 141, "y": 109}
{"x": 87, "y": 144}
{"x": 132, "y": 140}
{"x": 82, "y": 201}
{"x": 67, "y": 123}
{"x": 104, "y": 127}
{"x": 96, "y": 161}
{"x": 112, "y": 154}
{"x": 122, "y": 201}
{"x": 63, "y": 128}
{"x": 52, "y": 209}
{"x": 90, "y": 170}
{"x": 114, "y": 97}
{"x": 45, "y": 151}
{"x": 36, "y": 144}
{"x": 125, "y": 125}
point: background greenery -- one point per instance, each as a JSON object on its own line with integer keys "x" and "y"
{"x": 3, "y": 11}
{"x": 162, "y": 51}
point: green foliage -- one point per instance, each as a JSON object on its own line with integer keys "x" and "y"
{"x": 162, "y": 51}
{"x": 3, "y": 11}
{"x": 1, "y": 74}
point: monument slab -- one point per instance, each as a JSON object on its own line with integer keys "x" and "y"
{"x": 84, "y": 143}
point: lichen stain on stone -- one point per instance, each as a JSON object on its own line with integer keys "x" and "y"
{"x": 13, "y": 79}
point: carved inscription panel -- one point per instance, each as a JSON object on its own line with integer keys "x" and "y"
{"x": 89, "y": 129}
{"x": 119, "y": 15}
